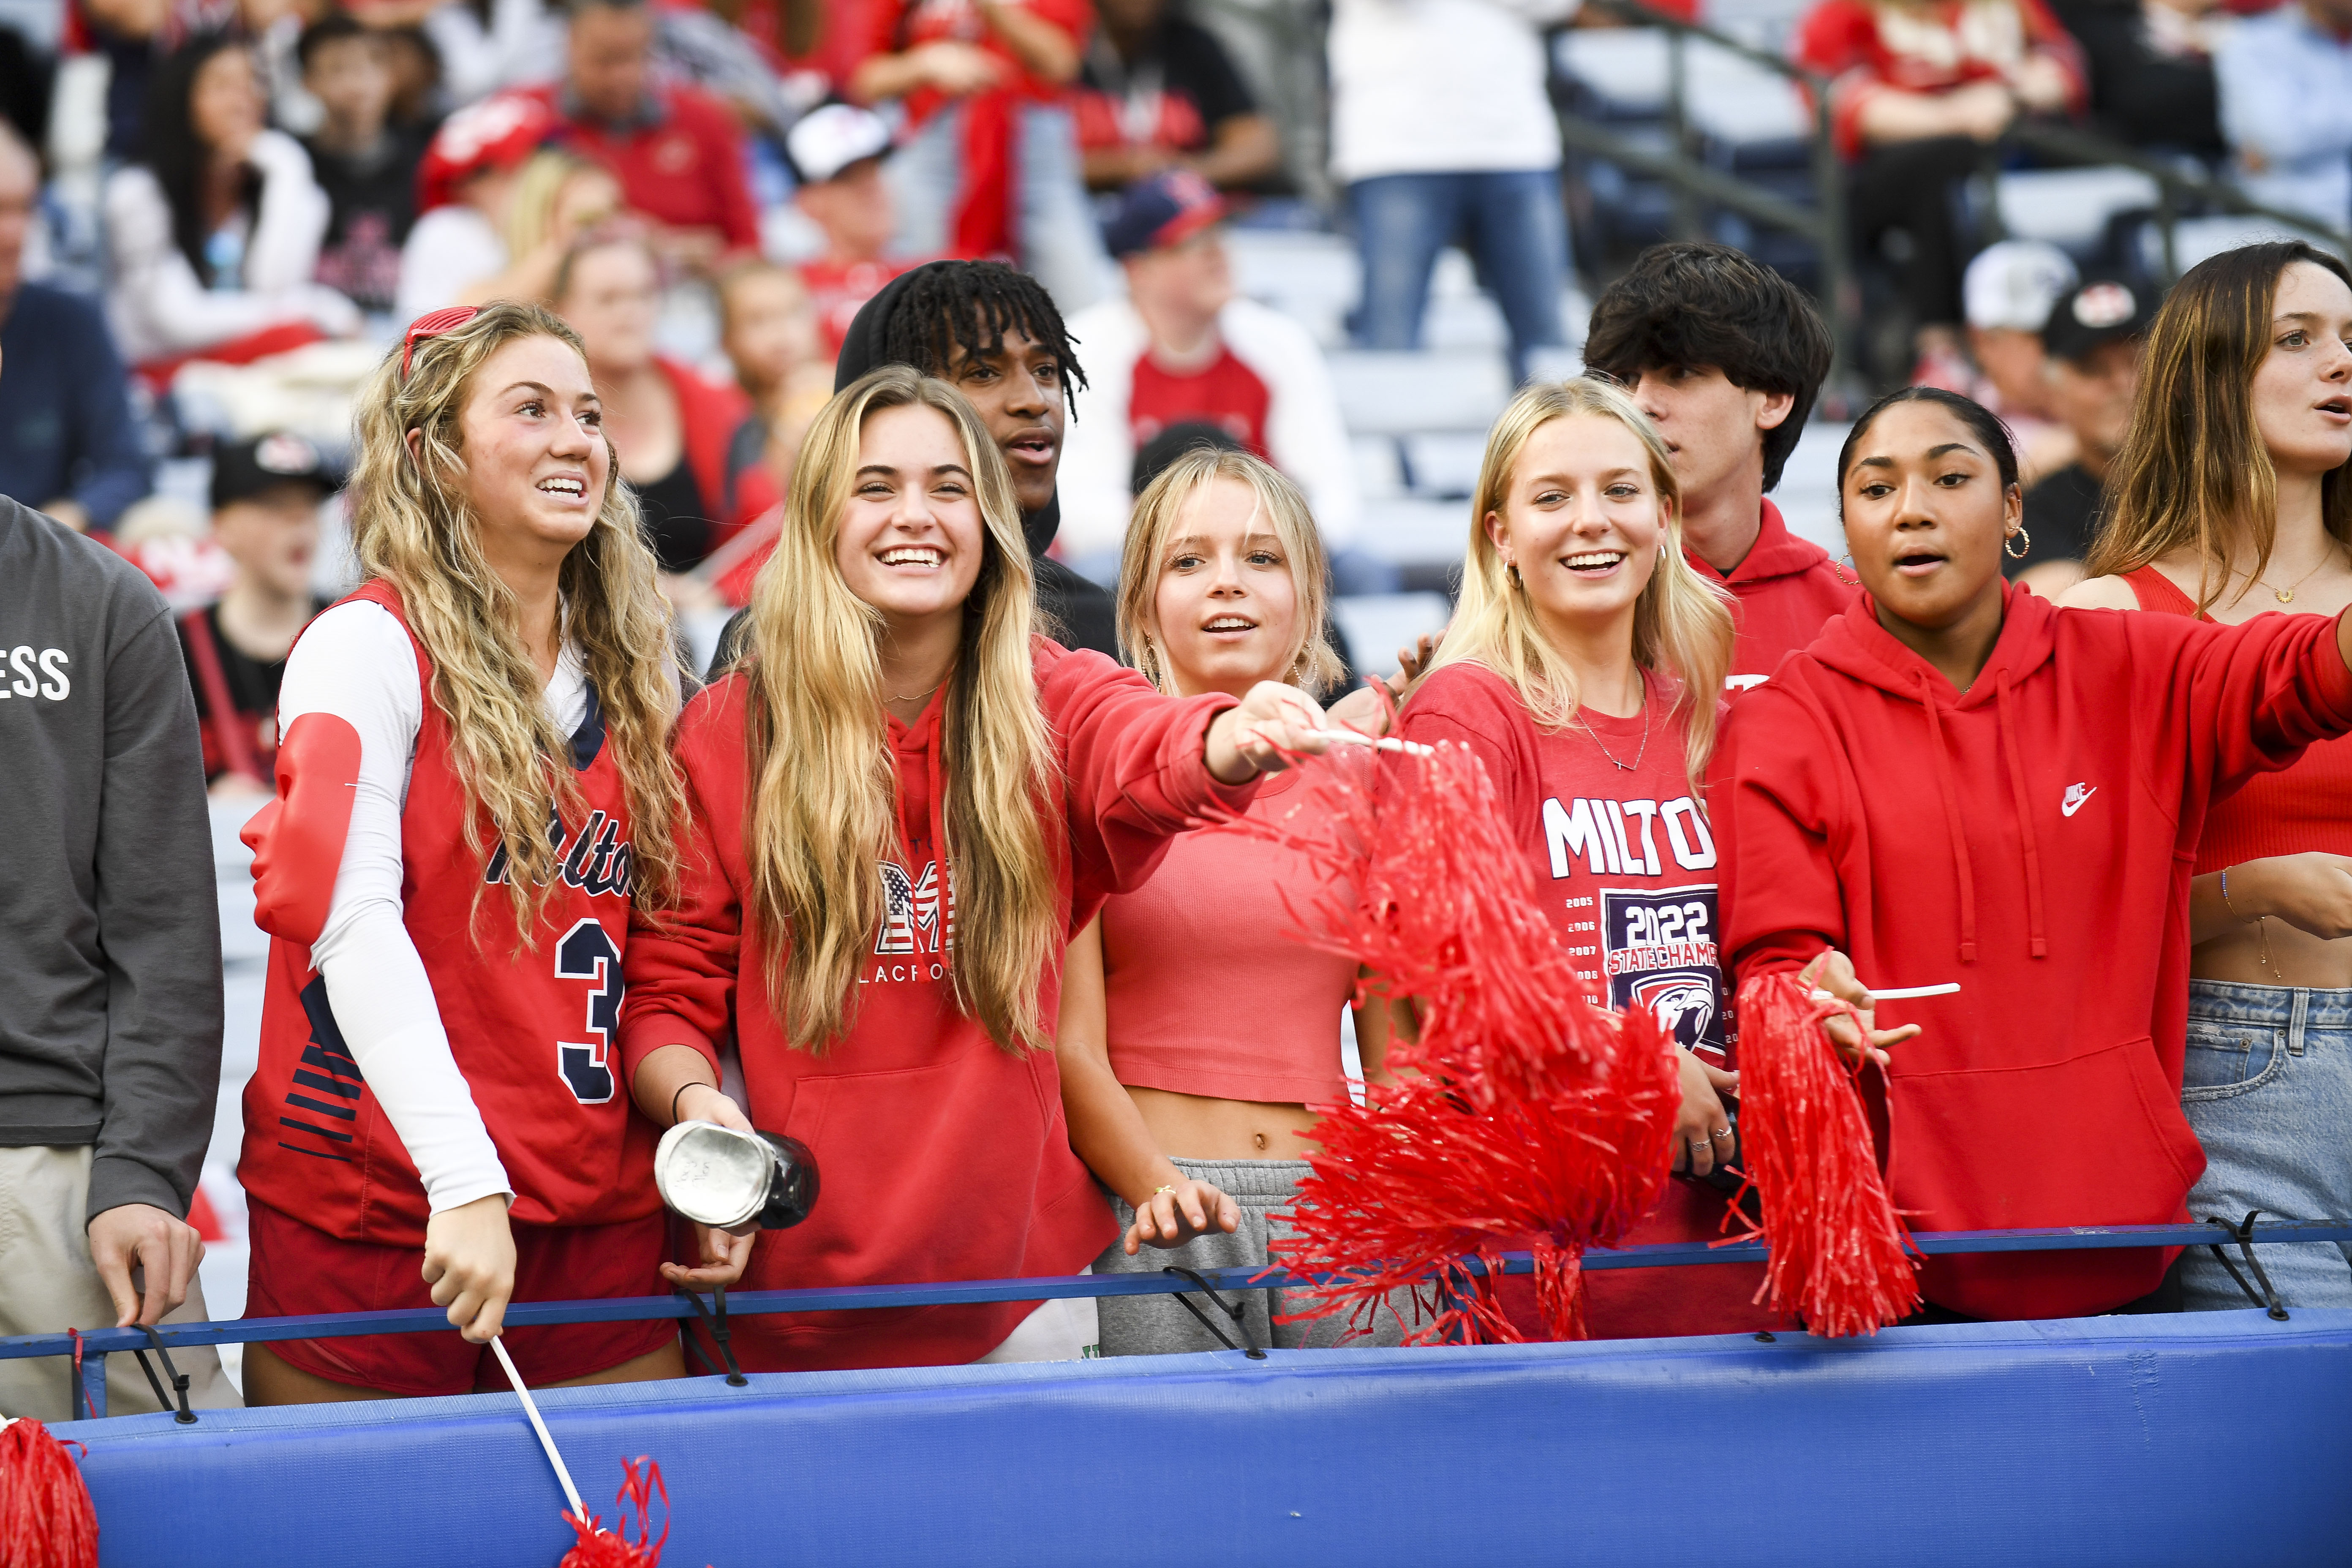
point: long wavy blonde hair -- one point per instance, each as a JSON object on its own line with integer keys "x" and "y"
{"x": 823, "y": 812}
{"x": 2193, "y": 473}
{"x": 1682, "y": 622}
{"x": 412, "y": 527}
{"x": 1311, "y": 663}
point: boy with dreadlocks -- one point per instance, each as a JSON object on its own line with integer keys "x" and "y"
{"x": 995, "y": 335}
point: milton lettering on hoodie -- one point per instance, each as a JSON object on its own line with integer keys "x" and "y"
{"x": 943, "y": 1155}
{"x": 1625, "y": 860}
{"x": 1786, "y": 590}
{"x": 2032, "y": 839}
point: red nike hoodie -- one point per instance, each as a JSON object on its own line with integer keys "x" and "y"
{"x": 943, "y": 1156}
{"x": 2032, "y": 839}
{"x": 1787, "y": 590}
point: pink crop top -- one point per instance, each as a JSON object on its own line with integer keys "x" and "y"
{"x": 2285, "y": 812}
{"x": 1207, "y": 989}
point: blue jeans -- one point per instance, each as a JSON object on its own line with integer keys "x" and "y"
{"x": 1511, "y": 221}
{"x": 1054, "y": 231}
{"x": 2268, "y": 1088}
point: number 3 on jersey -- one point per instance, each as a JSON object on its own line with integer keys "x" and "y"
{"x": 587, "y": 953}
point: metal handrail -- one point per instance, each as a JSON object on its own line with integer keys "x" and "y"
{"x": 1694, "y": 181}
{"x": 93, "y": 1347}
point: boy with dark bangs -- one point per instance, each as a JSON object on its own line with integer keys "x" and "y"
{"x": 1725, "y": 355}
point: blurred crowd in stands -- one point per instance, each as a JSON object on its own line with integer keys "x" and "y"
{"x": 213, "y": 214}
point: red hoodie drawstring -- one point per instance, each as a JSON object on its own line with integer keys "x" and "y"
{"x": 2021, "y": 808}
{"x": 940, "y": 834}
{"x": 1962, "y": 867}
{"x": 930, "y": 728}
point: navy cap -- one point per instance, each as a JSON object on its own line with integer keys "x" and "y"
{"x": 2100, "y": 311}
{"x": 1166, "y": 208}
{"x": 245, "y": 470}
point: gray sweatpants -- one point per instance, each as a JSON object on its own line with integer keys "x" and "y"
{"x": 1159, "y": 1325}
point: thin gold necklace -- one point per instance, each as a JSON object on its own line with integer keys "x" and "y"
{"x": 2286, "y": 595}
{"x": 1634, "y": 766}
{"x": 918, "y": 696}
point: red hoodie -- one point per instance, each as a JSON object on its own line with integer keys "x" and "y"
{"x": 2031, "y": 839}
{"x": 943, "y": 1156}
{"x": 1787, "y": 588}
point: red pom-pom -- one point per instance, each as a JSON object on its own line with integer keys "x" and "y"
{"x": 1841, "y": 1258}
{"x": 1524, "y": 1109}
{"x": 600, "y": 1548}
{"x": 45, "y": 1517}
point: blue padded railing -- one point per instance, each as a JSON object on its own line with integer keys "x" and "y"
{"x": 95, "y": 1345}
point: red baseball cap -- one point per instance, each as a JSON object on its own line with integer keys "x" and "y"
{"x": 496, "y": 134}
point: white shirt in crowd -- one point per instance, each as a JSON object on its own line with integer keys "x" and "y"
{"x": 1440, "y": 86}
{"x": 356, "y": 662}
{"x": 521, "y": 46}
{"x": 157, "y": 305}
{"x": 1305, "y": 435}
{"x": 448, "y": 248}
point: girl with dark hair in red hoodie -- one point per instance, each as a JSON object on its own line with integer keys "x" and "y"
{"x": 1958, "y": 782}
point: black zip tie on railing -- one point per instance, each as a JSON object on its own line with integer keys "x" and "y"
{"x": 2244, "y": 1235}
{"x": 717, "y": 1324}
{"x": 186, "y": 1417}
{"x": 1231, "y": 1308}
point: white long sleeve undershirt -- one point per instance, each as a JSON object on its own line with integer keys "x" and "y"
{"x": 356, "y": 662}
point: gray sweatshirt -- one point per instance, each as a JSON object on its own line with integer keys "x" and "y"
{"x": 109, "y": 927}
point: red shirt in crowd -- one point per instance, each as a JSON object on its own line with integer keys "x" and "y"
{"x": 1787, "y": 589}
{"x": 680, "y": 162}
{"x": 533, "y": 1030}
{"x": 2295, "y": 809}
{"x": 983, "y": 220}
{"x": 944, "y": 1156}
{"x": 1227, "y": 904}
{"x": 1928, "y": 49}
{"x": 2031, "y": 839}
{"x": 838, "y": 290}
{"x": 1225, "y": 393}
{"x": 1619, "y": 843}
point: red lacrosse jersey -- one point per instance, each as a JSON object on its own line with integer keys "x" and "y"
{"x": 530, "y": 1027}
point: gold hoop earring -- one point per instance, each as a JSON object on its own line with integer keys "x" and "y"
{"x": 2020, "y": 534}
{"x": 1847, "y": 573}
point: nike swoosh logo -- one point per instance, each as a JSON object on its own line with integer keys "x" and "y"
{"x": 2074, "y": 803}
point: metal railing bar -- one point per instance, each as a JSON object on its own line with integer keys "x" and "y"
{"x": 1708, "y": 183}
{"x": 869, "y": 1297}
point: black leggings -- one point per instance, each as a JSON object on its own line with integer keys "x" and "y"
{"x": 1908, "y": 185}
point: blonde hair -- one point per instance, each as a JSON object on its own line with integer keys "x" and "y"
{"x": 539, "y": 190}
{"x": 412, "y": 528}
{"x": 2193, "y": 473}
{"x": 1162, "y": 506}
{"x": 1682, "y": 622}
{"x": 823, "y": 809}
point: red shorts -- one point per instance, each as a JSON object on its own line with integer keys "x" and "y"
{"x": 296, "y": 1271}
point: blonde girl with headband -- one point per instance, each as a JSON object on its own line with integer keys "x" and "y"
{"x": 475, "y": 782}
{"x": 1582, "y": 668}
{"x": 1197, "y": 1036}
{"x": 903, "y": 803}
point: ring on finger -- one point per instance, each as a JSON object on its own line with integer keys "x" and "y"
{"x": 1721, "y": 1132}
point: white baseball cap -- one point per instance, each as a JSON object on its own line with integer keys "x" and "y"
{"x": 827, "y": 139}
{"x": 2015, "y": 282}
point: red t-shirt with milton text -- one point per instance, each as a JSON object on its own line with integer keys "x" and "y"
{"x": 1625, "y": 863}
{"x": 533, "y": 1029}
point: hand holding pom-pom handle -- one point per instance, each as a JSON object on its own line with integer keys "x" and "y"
{"x": 1841, "y": 1258}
